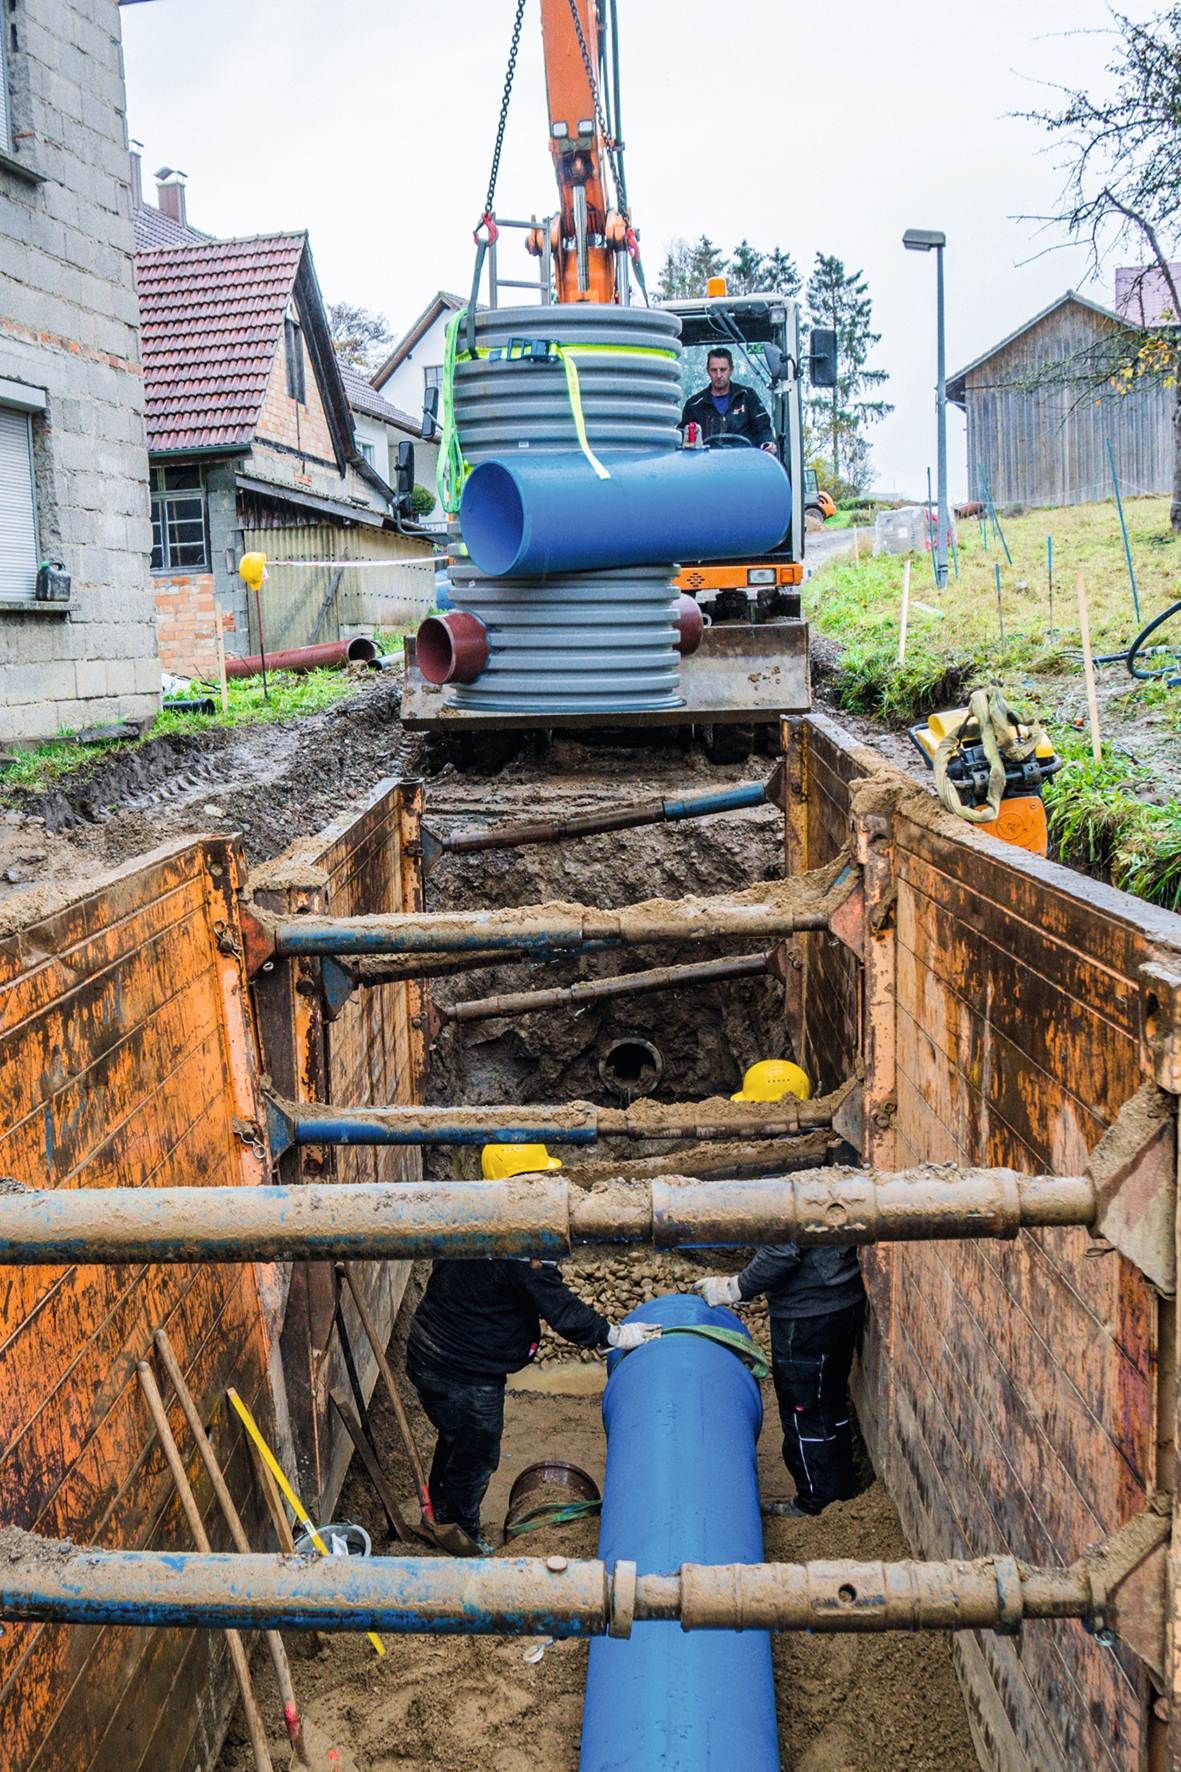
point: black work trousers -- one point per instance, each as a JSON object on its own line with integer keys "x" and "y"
{"x": 811, "y": 1358}
{"x": 467, "y": 1412}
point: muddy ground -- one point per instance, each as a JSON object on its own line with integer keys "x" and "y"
{"x": 888, "y": 1703}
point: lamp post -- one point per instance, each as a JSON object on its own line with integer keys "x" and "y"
{"x": 926, "y": 240}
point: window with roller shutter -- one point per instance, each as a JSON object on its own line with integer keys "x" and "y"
{"x": 18, "y": 510}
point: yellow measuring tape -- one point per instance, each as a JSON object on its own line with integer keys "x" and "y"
{"x": 289, "y": 1495}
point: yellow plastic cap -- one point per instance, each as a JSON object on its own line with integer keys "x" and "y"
{"x": 253, "y": 569}
{"x": 772, "y": 1079}
{"x": 499, "y": 1162}
{"x": 715, "y": 286}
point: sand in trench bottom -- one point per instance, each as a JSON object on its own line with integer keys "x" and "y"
{"x": 887, "y": 1703}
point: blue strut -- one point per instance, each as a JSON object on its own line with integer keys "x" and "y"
{"x": 683, "y": 1416}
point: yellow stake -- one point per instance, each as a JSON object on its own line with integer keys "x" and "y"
{"x": 289, "y": 1494}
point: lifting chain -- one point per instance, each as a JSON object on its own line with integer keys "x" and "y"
{"x": 508, "y": 90}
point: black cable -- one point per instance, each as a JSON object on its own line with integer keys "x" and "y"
{"x": 1141, "y": 637}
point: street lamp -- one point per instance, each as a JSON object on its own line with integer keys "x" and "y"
{"x": 926, "y": 240}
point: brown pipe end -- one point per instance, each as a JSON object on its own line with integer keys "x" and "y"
{"x": 361, "y": 651}
{"x": 451, "y": 648}
{"x": 690, "y": 626}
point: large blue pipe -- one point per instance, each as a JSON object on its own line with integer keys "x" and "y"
{"x": 551, "y": 513}
{"x": 683, "y": 1416}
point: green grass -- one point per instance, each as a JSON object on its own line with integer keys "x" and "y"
{"x": 1099, "y": 817}
{"x": 289, "y": 697}
{"x": 857, "y": 603}
{"x": 1099, "y": 824}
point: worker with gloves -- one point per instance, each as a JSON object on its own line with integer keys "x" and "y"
{"x": 478, "y": 1321}
{"x": 816, "y": 1304}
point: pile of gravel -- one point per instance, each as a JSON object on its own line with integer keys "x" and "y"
{"x": 616, "y": 1284}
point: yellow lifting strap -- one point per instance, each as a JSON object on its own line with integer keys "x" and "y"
{"x": 1001, "y": 741}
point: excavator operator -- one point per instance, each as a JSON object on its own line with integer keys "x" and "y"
{"x": 727, "y": 408}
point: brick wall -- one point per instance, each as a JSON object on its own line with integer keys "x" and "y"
{"x": 302, "y": 428}
{"x": 69, "y": 327}
{"x": 186, "y": 625}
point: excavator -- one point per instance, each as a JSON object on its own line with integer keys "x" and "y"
{"x": 752, "y": 663}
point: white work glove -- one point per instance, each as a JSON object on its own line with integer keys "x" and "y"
{"x": 719, "y": 1289}
{"x": 629, "y": 1335}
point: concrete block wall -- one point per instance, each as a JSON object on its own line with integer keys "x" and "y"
{"x": 69, "y": 327}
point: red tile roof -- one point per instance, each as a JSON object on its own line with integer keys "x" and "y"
{"x": 211, "y": 316}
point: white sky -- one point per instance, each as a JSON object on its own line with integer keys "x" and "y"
{"x": 832, "y": 128}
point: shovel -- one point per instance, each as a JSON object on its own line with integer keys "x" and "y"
{"x": 449, "y": 1538}
{"x": 311, "y": 1744}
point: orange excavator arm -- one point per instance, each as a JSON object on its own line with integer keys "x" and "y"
{"x": 586, "y": 235}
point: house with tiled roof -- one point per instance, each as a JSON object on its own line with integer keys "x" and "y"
{"x": 380, "y": 427}
{"x": 252, "y": 445}
{"x": 416, "y": 361}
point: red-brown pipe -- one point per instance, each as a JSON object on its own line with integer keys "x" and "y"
{"x": 328, "y": 657}
{"x": 451, "y": 648}
{"x": 690, "y": 626}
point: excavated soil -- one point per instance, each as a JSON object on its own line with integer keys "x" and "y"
{"x": 846, "y": 1704}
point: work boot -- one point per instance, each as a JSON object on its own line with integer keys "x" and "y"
{"x": 786, "y": 1510}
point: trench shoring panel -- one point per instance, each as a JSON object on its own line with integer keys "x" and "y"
{"x": 125, "y": 1054}
{"x": 374, "y": 1056}
{"x": 1008, "y": 1390}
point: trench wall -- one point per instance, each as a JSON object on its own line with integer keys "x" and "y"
{"x": 125, "y": 1054}
{"x": 129, "y": 1045}
{"x": 373, "y": 1055}
{"x": 1009, "y": 1390}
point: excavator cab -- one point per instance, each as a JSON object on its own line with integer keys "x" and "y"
{"x": 762, "y": 333}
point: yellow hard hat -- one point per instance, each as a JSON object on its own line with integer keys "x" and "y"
{"x": 772, "y": 1079}
{"x": 252, "y": 568}
{"x": 499, "y": 1162}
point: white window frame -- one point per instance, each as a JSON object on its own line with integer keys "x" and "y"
{"x": 5, "y": 99}
{"x": 16, "y": 398}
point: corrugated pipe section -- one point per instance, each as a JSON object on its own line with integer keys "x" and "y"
{"x": 580, "y": 641}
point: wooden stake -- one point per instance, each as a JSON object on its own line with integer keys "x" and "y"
{"x": 905, "y": 612}
{"x": 856, "y": 548}
{"x": 1084, "y": 622}
{"x": 221, "y": 658}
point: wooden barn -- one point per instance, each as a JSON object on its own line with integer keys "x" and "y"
{"x": 1040, "y": 437}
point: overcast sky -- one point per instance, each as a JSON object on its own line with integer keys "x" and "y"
{"x": 830, "y": 128}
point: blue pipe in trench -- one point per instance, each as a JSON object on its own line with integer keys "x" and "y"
{"x": 683, "y": 1416}
{"x": 552, "y": 514}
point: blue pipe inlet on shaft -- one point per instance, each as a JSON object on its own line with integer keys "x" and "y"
{"x": 682, "y": 1415}
{"x": 553, "y": 514}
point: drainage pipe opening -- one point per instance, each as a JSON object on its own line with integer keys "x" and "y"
{"x": 631, "y": 1066}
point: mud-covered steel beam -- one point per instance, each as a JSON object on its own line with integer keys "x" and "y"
{"x": 45, "y": 1580}
{"x": 536, "y": 927}
{"x": 596, "y": 990}
{"x": 543, "y": 1215}
{"x": 765, "y": 912}
{"x": 51, "y": 1582}
{"x": 294, "y": 1123}
{"x": 560, "y": 830}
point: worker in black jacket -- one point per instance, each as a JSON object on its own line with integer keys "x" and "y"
{"x": 816, "y": 1303}
{"x": 727, "y": 408}
{"x": 478, "y": 1321}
